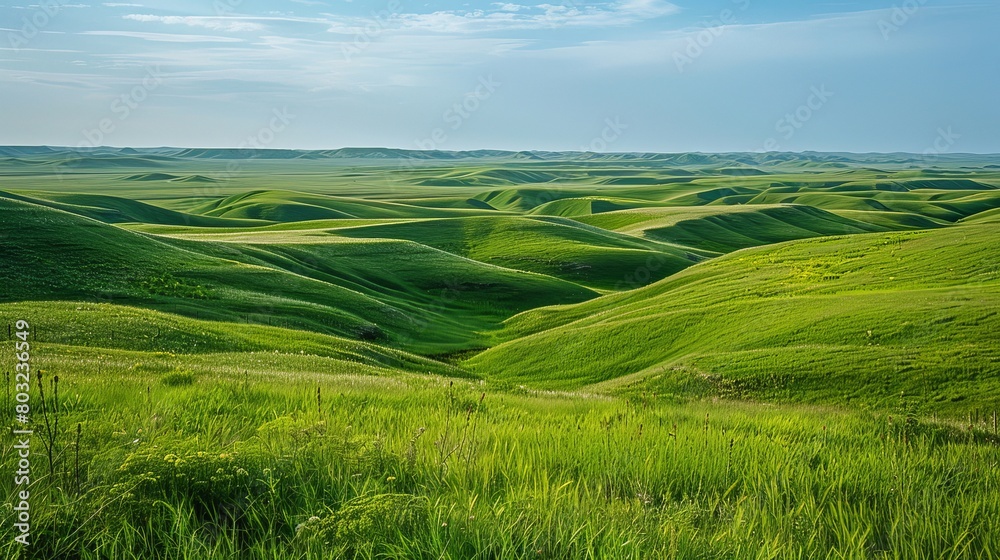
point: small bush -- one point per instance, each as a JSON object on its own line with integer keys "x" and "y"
{"x": 217, "y": 485}
{"x": 167, "y": 285}
{"x": 366, "y": 523}
{"x": 177, "y": 378}
{"x": 369, "y": 333}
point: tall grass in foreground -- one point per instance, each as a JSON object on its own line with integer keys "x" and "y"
{"x": 196, "y": 463}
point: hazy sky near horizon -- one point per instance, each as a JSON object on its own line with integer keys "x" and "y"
{"x": 630, "y": 75}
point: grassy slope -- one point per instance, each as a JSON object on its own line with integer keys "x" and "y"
{"x": 114, "y": 210}
{"x": 727, "y": 228}
{"x": 862, "y": 317}
{"x": 117, "y": 328}
{"x": 555, "y": 246}
{"x": 446, "y": 294}
{"x": 989, "y": 216}
{"x": 267, "y": 427}
{"x": 287, "y": 206}
{"x": 234, "y": 459}
{"x": 55, "y": 255}
{"x": 948, "y": 206}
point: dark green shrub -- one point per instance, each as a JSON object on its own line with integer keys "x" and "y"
{"x": 177, "y": 378}
{"x": 366, "y": 525}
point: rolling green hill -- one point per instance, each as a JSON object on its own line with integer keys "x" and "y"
{"x": 114, "y": 210}
{"x": 433, "y": 251}
{"x": 436, "y": 301}
{"x": 444, "y": 252}
{"x": 727, "y": 228}
{"x": 111, "y": 327}
{"x": 385, "y": 353}
{"x": 284, "y": 206}
{"x": 866, "y": 318}
{"x": 558, "y": 247}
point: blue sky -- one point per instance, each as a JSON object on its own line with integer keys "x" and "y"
{"x": 630, "y": 75}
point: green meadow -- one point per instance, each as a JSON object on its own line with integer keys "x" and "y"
{"x": 372, "y": 353}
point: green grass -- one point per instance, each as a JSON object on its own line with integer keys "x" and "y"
{"x": 114, "y": 210}
{"x": 232, "y": 463}
{"x": 286, "y": 206}
{"x": 557, "y": 247}
{"x": 726, "y": 228}
{"x": 432, "y": 301}
{"x": 375, "y": 353}
{"x": 116, "y": 327}
{"x": 864, "y": 317}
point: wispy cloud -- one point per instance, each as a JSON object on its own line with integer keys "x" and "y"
{"x": 165, "y": 37}
{"x": 741, "y": 43}
{"x": 90, "y": 82}
{"x": 504, "y": 17}
{"x": 508, "y": 16}
{"x": 40, "y": 50}
{"x": 508, "y": 7}
{"x": 55, "y": 5}
{"x": 231, "y": 25}
{"x": 382, "y": 72}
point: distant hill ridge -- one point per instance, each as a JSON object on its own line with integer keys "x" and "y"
{"x": 729, "y": 163}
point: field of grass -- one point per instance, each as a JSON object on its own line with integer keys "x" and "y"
{"x": 870, "y": 318}
{"x": 369, "y": 353}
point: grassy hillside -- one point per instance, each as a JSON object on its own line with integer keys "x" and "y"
{"x": 272, "y": 455}
{"x": 864, "y": 318}
{"x": 110, "y": 327}
{"x": 114, "y": 210}
{"x": 558, "y": 247}
{"x": 726, "y": 228}
{"x": 379, "y": 353}
{"x": 286, "y": 206}
{"x": 561, "y": 248}
{"x": 437, "y": 302}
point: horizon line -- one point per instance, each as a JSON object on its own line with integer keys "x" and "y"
{"x": 471, "y": 150}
